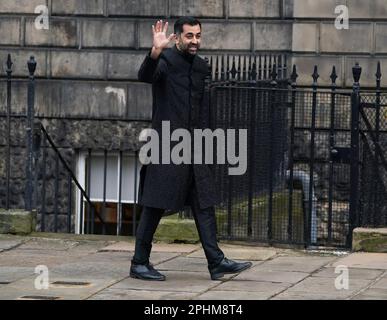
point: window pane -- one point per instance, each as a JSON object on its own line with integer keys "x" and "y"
{"x": 97, "y": 178}
{"x": 128, "y": 178}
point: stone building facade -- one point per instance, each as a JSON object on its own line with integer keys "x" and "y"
{"x": 87, "y": 61}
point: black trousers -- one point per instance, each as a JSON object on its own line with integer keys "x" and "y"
{"x": 205, "y": 223}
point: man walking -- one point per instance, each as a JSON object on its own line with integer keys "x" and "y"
{"x": 177, "y": 76}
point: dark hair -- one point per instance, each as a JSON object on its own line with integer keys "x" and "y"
{"x": 178, "y": 28}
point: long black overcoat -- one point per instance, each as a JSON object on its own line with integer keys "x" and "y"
{"x": 178, "y": 97}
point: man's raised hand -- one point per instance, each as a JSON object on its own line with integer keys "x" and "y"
{"x": 160, "y": 39}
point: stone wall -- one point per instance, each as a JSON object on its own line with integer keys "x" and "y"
{"x": 103, "y": 42}
{"x": 316, "y": 41}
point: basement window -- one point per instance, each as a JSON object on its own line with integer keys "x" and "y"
{"x": 111, "y": 182}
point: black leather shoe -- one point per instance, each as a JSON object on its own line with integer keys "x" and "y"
{"x": 145, "y": 272}
{"x": 227, "y": 266}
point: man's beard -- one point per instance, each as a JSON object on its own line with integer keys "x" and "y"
{"x": 186, "y": 48}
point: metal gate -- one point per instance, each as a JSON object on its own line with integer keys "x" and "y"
{"x": 304, "y": 182}
{"x": 373, "y": 158}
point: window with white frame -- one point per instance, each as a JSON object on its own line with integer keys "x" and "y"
{"x": 111, "y": 182}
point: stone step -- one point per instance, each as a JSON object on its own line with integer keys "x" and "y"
{"x": 17, "y": 221}
{"x": 370, "y": 240}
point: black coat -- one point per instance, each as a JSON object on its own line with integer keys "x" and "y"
{"x": 178, "y": 97}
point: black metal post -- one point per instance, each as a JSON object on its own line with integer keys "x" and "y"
{"x": 222, "y": 72}
{"x": 69, "y": 209}
{"x": 119, "y": 205}
{"x": 377, "y": 210}
{"x": 251, "y": 147}
{"x": 233, "y": 98}
{"x": 293, "y": 83}
{"x": 331, "y": 145}
{"x": 104, "y": 184}
{"x": 44, "y": 163}
{"x": 88, "y": 188}
{"x": 56, "y": 193}
{"x": 308, "y": 229}
{"x": 272, "y": 104}
{"x": 36, "y": 138}
{"x": 81, "y": 223}
{"x": 30, "y": 120}
{"x": 8, "y": 158}
{"x": 354, "y": 171}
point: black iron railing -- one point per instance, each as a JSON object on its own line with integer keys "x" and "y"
{"x": 50, "y": 185}
{"x": 305, "y": 183}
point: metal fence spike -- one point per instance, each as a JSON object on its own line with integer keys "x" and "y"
{"x": 378, "y": 72}
{"x": 294, "y": 75}
{"x": 9, "y": 63}
{"x": 315, "y": 75}
{"x": 333, "y": 75}
{"x": 31, "y": 65}
{"x": 356, "y": 72}
{"x": 233, "y": 68}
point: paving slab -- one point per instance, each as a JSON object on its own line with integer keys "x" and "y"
{"x": 123, "y": 294}
{"x": 32, "y": 258}
{"x": 156, "y": 247}
{"x": 155, "y": 258}
{"x": 297, "y": 263}
{"x": 183, "y": 263}
{"x": 269, "y": 288}
{"x": 9, "y": 244}
{"x": 322, "y": 288}
{"x": 240, "y": 252}
{"x": 176, "y": 281}
{"x": 48, "y": 244}
{"x": 107, "y": 257}
{"x": 92, "y": 270}
{"x": 354, "y": 273}
{"x": 11, "y": 274}
{"x": 26, "y": 288}
{"x": 372, "y": 294}
{"x": 232, "y": 295}
{"x": 158, "y": 257}
{"x": 86, "y": 247}
{"x": 380, "y": 284}
{"x": 261, "y": 274}
{"x": 364, "y": 260}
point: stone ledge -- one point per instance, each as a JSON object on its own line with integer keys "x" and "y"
{"x": 174, "y": 229}
{"x": 17, "y": 221}
{"x": 370, "y": 240}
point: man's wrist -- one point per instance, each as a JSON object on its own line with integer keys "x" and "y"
{"x": 155, "y": 52}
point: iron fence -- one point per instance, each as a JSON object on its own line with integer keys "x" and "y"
{"x": 306, "y": 183}
{"x": 40, "y": 175}
{"x": 373, "y": 157}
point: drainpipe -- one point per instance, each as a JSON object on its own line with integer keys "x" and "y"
{"x": 304, "y": 178}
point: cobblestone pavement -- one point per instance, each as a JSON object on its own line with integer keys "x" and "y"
{"x": 81, "y": 268}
